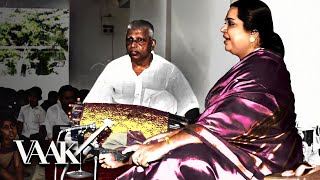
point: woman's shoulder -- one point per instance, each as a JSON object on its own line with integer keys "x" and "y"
{"x": 267, "y": 68}
{"x": 263, "y": 61}
{"x": 265, "y": 56}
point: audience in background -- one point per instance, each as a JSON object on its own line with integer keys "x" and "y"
{"x": 52, "y": 100}
{"x": 58, "y": 113}
{"x": 83, "y": 94}
{"x": 9, "y": 101}
{"x": 11, "y": 166}
{"x": 32, "y": 121}
{"x": 31, "y": 117}
{"x": 21, "y": 100}
{"x": 7, "y": 97}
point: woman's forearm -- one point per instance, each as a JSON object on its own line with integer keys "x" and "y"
{"x": 180, "y": 139}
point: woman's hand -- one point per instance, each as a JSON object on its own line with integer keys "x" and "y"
{"x": 156, "y": 147}
{"x": 108, "y": 161}
{"x": 147, "y": 152}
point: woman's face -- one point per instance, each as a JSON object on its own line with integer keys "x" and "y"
{"x": 8, "y": 130}
{"x": 237, "y": 39}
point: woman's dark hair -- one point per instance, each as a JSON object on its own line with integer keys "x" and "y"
{"x": 256, "y": 16}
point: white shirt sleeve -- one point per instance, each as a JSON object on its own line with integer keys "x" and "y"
{"x": 180, "y": 88}
{"x": 21, "y": 115}
{"x": 42, "y": 116}
{"x": 51, "y": 116}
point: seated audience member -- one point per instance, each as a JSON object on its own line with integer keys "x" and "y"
{"x": 83, "y": 94}
{"x": 8, "y": 97}
{"x": 58, "y": 113}
{"x": 11, "y": 166}
{"x": 31, "y": 117}
{"x": 52, "y": 100}
{"x": 247, "y": 130}
{"x": 138, "y": 77}
{"x": 21, "y": 100}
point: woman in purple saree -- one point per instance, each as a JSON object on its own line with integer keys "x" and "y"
{"x": 247, "y": 130}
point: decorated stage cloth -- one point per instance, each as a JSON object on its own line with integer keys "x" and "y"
{"x": 132, "y": 124}
{"x": 247, "y": 129}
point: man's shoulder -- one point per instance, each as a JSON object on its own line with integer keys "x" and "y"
{"x": 165, "y": 64}
{"x": 40, "y": 108}
{"x": 25, "y": 107}
{"x": 119, "y": 61}
{"x": 54, "y": 107}
{"x": 162, "y": 60}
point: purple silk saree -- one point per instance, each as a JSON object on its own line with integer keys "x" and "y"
{"x": 247, "y": 129}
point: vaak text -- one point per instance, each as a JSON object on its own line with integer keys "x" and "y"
{"x": 35, "y": 150}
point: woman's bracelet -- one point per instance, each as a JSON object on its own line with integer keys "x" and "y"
{"x": 167, "y": 139}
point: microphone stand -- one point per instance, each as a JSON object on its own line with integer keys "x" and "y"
{"x": 106, "y": 123}
{"x": 96, "y": 157}
{"x": 80, "y": 173}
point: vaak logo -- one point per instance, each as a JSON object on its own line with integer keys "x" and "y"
{"x": 35, "y": 150}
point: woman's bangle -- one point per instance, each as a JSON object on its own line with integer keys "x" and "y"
{"x": 167, "y": 139}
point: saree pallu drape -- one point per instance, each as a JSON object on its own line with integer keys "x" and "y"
{"x": 247, "y": 129}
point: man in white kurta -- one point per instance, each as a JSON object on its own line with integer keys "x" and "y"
{"x": 32, "y": 119}
{"x": 161, "y": 86}
{"x": 58, "y": 113}
{"x": 55, "y": 116}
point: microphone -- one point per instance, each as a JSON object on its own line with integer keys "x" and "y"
{"x": 106, "y": 123}
{"x": 92, "y": 126}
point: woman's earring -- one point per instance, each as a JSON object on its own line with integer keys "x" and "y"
{"x": 252, "y": 39}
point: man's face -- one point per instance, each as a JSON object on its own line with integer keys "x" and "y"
{"x": 68, "y": 98}
{"x": 33, "y": 100}
{"x": 139, "y": 44}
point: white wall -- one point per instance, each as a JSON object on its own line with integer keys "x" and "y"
{"x": 91, "y": 49}
{"x": 297, "y": 22}
{"x": 153, "y": 11}
{"x": 197, "y": 43}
